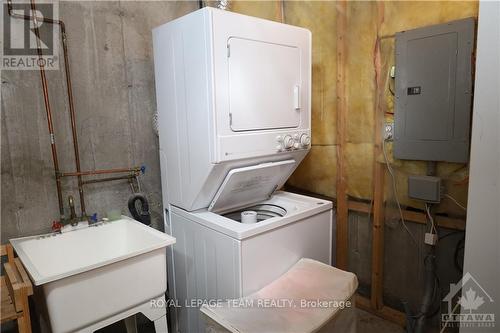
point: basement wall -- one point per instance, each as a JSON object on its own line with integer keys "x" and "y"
{"x": 111, "y": 59}
{"x": 366, "y": 21}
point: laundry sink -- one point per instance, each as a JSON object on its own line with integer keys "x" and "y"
{"x": 93, "y": 274}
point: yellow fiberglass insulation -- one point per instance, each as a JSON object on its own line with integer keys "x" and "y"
{"x": 366, "y": 23}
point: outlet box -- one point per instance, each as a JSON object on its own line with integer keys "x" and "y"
{"x": 389, "y": 131}
{"x": 392, "y": 73}
{"x": 430, "y": 239}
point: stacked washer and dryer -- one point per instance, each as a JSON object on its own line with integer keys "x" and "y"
{"x": 234, "y": 119}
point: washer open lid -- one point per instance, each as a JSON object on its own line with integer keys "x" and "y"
{"x": 251, "y": 184}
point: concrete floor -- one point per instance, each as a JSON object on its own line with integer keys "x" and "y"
{"x": 367, "y": 323}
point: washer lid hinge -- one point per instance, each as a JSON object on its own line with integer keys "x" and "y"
{"x": 272, "y": 192}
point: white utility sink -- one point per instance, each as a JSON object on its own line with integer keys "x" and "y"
{"x": 95, "y": 276}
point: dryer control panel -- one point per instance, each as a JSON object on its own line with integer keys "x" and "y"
{"x": 293, "y": 141}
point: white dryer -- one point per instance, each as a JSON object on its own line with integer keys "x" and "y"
{"x": 233, "y": 95}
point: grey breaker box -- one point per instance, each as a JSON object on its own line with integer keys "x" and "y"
{"x": 433, "y": 92}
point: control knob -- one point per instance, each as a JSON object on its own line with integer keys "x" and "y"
{"x": 305, "y": 140}
{"x": 288, "y": 142}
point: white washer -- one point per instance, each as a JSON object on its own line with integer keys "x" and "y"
{"x": 216, "y": 257}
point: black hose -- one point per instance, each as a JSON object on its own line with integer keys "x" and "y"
{"x": 429, "y": 291}
{"x": 459, "y": 260}
{"x": 410, "y": 319}
{"x": 142, "y": 216}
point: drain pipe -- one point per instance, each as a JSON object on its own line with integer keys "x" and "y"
{"x": 429, "y": 292}
{"x": 430, "y": 283}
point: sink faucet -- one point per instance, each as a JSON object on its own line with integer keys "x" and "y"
{"x": 72, "y": 217}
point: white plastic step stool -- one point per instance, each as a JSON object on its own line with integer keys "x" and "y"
{"x": 310, "y": 297}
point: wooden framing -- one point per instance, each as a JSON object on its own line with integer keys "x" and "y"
{"x": 342, "y": 211}
{"x": 378, "y": 238}
{"x": 378, "y": 179}
{"x": 15, "y": 289}
{"x": 384, "y": 312}
{"x": 411, "y": 216}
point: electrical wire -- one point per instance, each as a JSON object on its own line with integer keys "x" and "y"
{"x": 455, "y": 201}
{"x": 390, "y": 89}
{"x": 433, "y": 226}
{"x": 395, "y": 190}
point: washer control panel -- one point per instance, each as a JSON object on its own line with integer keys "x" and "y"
{"x": 287, "y": 142}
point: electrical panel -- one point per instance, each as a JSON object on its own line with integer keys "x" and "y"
{"x": 433, "y": 92}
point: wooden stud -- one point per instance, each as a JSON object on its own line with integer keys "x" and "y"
{"x": 279, "y": 10}
{"x": 411, "y": 216}
{"x": 378, "y": 190}
{"x": 359, "y": 206}
{"x": 385, "y": 312}
{"x": 342, "y": 211}
{"x": 378, "y": 238}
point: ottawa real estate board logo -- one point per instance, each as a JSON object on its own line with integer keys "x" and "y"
{"x": 473, "y": 302}
{"x": 20, "y": 41}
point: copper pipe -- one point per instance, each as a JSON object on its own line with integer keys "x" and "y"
{"x": 100, "y": 180}
{"x": 72, "y": 117}
{"x": 68, "y": 87}
{"x": 29, "y": 17}
{"x": 58, "y": 174}
{"x": 46, "y": 102}
{"x": 99, "y": 172}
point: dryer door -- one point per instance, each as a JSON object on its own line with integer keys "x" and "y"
{"x": 251, "y": 184}
{"x": 264, "y": 85}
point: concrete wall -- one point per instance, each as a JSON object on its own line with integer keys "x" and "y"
{"x": 482, "y": 249}
{"x": 112, "y": 70}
